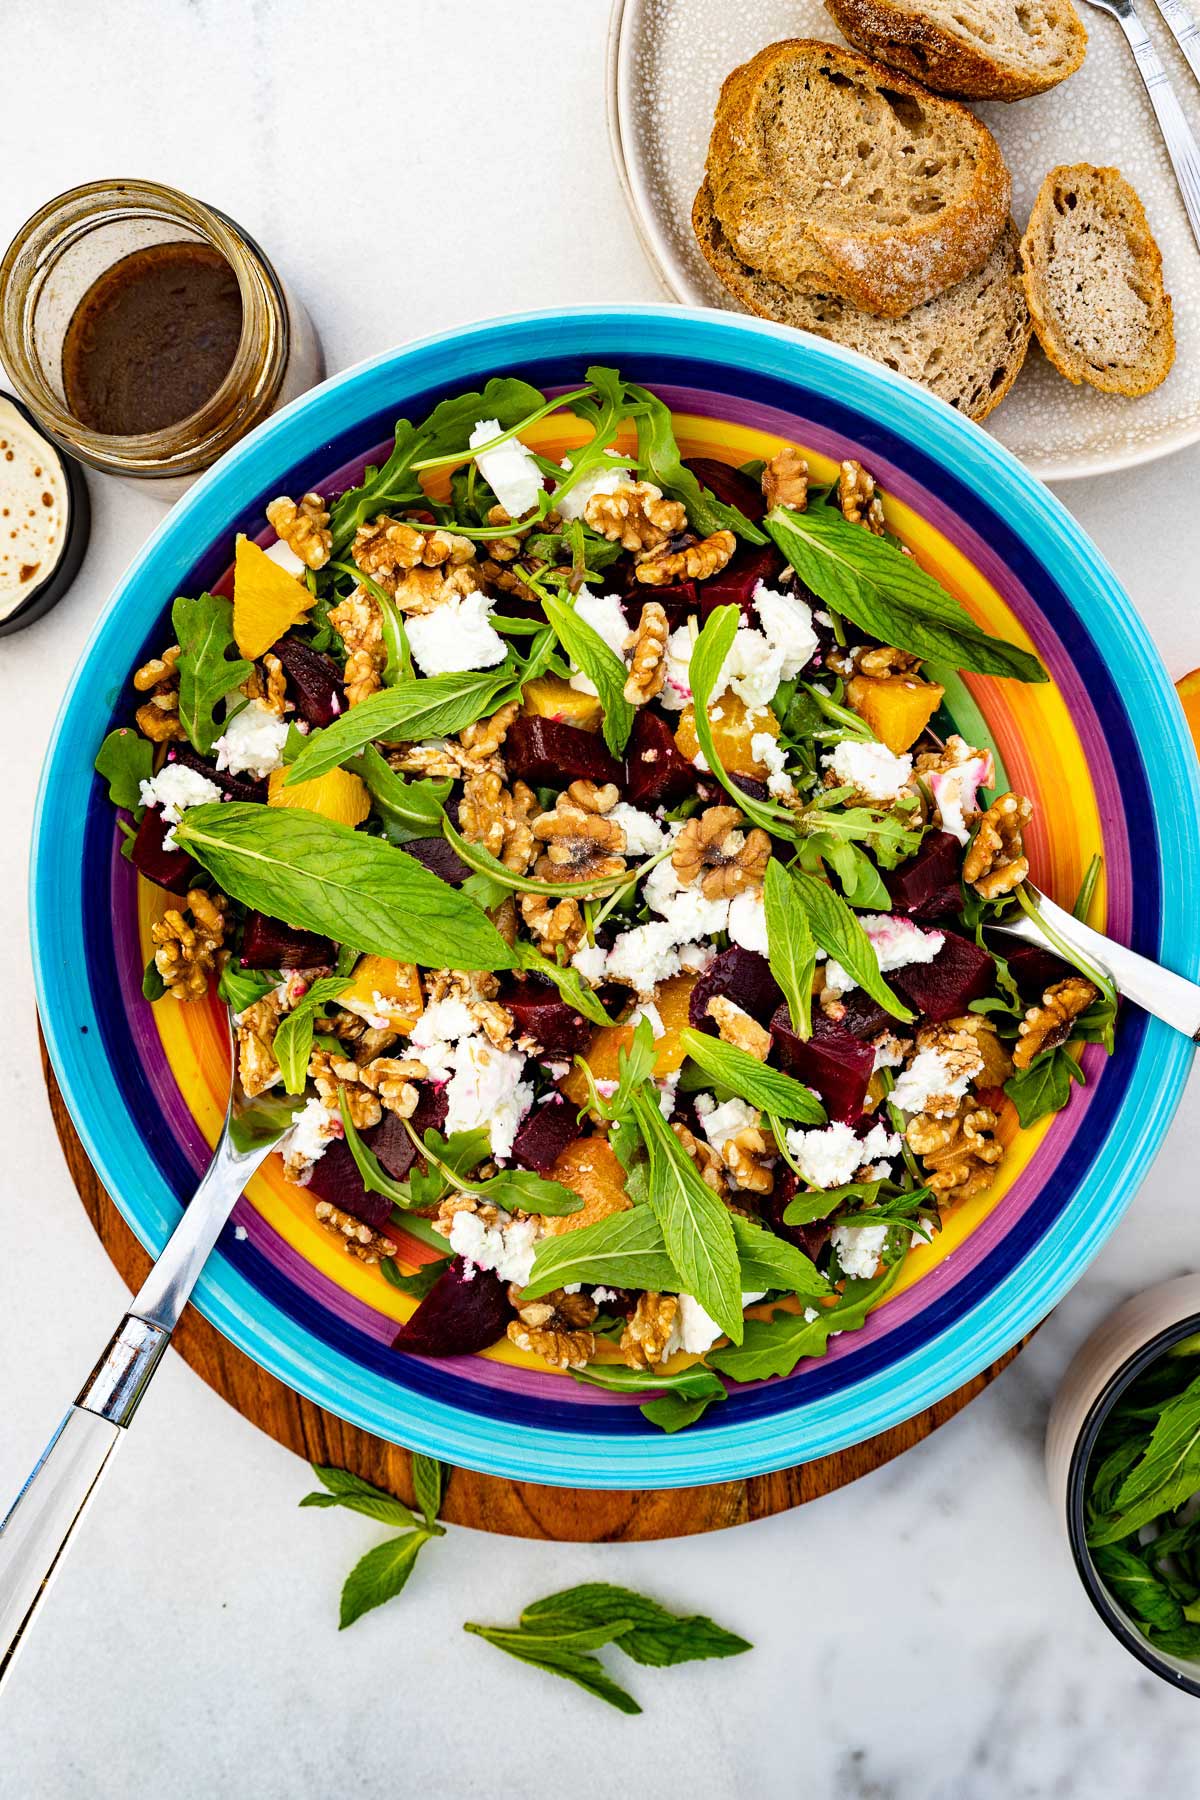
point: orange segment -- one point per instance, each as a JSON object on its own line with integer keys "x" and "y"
{"x": 896, "y": 707}
{"x": 1188, "y": 690}
{"x": 267, "y": 601}
{"x": 385, "y": 988}
{"x": 550, "y": 697}
{"x": 603, "y": 1051}
{"x": 335, "y": 795}
{"x": 591, "y": 1168}
{"x": 733, "y": 729}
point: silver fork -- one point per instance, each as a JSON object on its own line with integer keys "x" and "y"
{"x": 1157, "y": 990}
{"x": 1184, "y": 30}
{"x": 1177, "y": 133}
{"x": 43, "y": 1518}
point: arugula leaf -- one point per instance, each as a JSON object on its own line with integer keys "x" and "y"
{"x": 431, "y": 707}
{"x": 331, "y": 879}
{"x": 153, "y": 985}
{"x": 429, "y": 1484}
{"x": 770, "y": 1089}
{"x": 418, "y": 1284}
{"x": 522, "y": 1190}
{"x": 888, "y": 595}
{"x": 589, "y": 652}
{"x": 124, "y": 760}
{"x": 1045, "y": 1086}
{"x": 791, "y": 947}
{"x": 381, "y": 1574}
{"x": 293, "y": 1040}
{"x": 406, "y": 809}
{"x": 1131, "y": 1581}
{"x": 625, "y": 1250}
{"x": 563, "y": 1655}
{"x": 696, "y": 1227}
{"x": 344, "y": 1489}
{"x": 375, "y": 1177}
{"x": 270, "y": 1117}
{"x": 569, "y": 982}
{"x": 804, "y": 1209}
{"x": 204, "y": 631}
{"x": 774, "y": 1346}
{"x": 672, "y": 1412}
{"x": 659, "y": 1639}
{"x": 768, "y": 1262}
{"x": 658, "y": 454}
{"x": 680, "y": 1400}
{"x": 1167, "y": 1474}
{"x": 841, "y": 936}
{"x": 240, "y": 988}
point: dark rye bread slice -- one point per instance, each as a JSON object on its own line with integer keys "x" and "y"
{"x": 973, "y": 49}
{"x": 967, "y": 345}
{"x": 833, "y": 171}
{"x": 1093, "y": 279}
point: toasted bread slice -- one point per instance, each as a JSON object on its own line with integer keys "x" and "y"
{"x": 966, "y": 346}
{"x": 830, "y": 170}
{"x": 973, "y": 49}
{"x": 1093, "y": 279}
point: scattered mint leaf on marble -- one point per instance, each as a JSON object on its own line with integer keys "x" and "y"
{"x": 659, "y": 1639}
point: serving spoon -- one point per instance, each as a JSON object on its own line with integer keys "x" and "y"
{"x": 43, "y": 1518}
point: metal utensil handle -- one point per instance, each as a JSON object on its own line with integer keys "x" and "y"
{"x": 1162, "y": 993}
{"x": 1177, "y": 133}
{"x": 1184, "y": 30}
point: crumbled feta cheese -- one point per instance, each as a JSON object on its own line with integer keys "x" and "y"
{"x": 507, "y": 1246}
{"x": 859, "y": 1248}
{"x": 252, "y": 741}
{"x": 442, "y": 1019}
{"x": 956, "y": 790}
{"x": 602, "y": 1294}
{"x": 871, "y": 769}
{"x": 648, "y": 1010}
{"x": 927, "y": 1077}
{"x": 644, "y": 836}
{"x": 591, "y": 960}
{"x": 692, "y": 1330}
{"x": 879, "y": 1141}
{"x": 597, "y": 481}
{"x": 645, "y": 956}
{"x": 787, "y": 623}
{"x": 312, "y": 1131}
{"x": 765, "y": 748}
{"x": 606, "y": 616}
{"x": 829, "y": 1157}
{"x": 890, "y": 1051}
{"x": 720, "y": 1123}
{"x": 753, "y": 669}
{"x": 897, "y": 942}
{"x": 696, "y": 957}
{"x": 240, "y": 1233}
{"x": 174, "y": 789}
{"x": 456, "y": 635}
{"x": 510, "y": 470}
{"x": 286, "y": 557}
{"x": 677, "y": 686}
{"x": 685, "y": 909}
{"x": 667, "y": 1089}
{"x": 486, "y": 1089}
{"x": 748, "y": 921}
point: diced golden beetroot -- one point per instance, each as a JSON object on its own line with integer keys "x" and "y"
{"x": 896, "y": 707}
{"x": 336, "y": 795}
{"x": 603, "y": 1051}
{"x": 550, "y": 697}
{"x": 267, "y": 601}
{"x": 732, "y": 731}
{"x": 592, "y": 1170}
{"x": 385, "y": 989}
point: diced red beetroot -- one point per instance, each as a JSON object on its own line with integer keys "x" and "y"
{"x": 678, "y": 599}
{"x": 538, "y": 1013}
{"x": 736, "y": 583}
{"x": 813, "y": 1238}
{"x": 545, "y": 1135}
{"x": 392, "y": 1145}
{"x": 458, "y": 1315}
{"x": 270, "y": 944}
{"x": 233, "y": 787}
{"x": 335, "y": 1178}
{"x": 833, "y": 1062}
{"x": 1032, "y": 968}
{"x": 742, "y": 976}
{"x": 656, "y": 774}
{"x": 435, "y": 854}
{"x": 928, "y": 885}
{"x": 944, "y": 988}
{"x": 749, "y": 784}
{"x": 315, "y": 681}
{"x": 729, "y": 485}
{"x": 171, "y": 869}
{"x": 431, "y": 1110}
{"x": 864, "y": 1016}
{"x": 547, "y": 753}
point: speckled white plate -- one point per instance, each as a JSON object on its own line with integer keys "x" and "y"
{"x": 667, "y": 60}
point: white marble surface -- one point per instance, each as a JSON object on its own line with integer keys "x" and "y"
{"x": 919, "y": 1636}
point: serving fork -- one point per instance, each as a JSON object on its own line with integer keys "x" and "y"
{"x": 1177, "y": 133}
{"x": 43, "y": 1519}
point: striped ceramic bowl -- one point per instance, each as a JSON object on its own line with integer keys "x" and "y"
{"x": 1102, "y": 751}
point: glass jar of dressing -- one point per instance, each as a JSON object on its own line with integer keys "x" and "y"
{"x": 147, "y": 332}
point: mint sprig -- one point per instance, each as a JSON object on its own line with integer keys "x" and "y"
{"x": 770, "y": 1089}
{"x": 383, "y": 1572}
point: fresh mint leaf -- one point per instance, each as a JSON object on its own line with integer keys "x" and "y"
{"x": 658, "y": 454}
{"x": 429, "y": 1484}
{"x": 840, "y": 935}
{"x": 204, "y": 631}
{"x": 153, "y": 985}
{"x": 707, "y": 660}
{"x": 769, "y": 1262}
{"x": 1131, "y": 1581}
{"x": 1045, "y": 1086}
{"x": 344, "y": 1489}
{"x": 380, "y": 1575}
{"x": 604, "y": 668}
{"x": 659, "y": 1639}
{"x": 565, "y": 1656}
{"x": 696, "y": 1226}
{"x": 889, "y": 595}
{"x": 625, "y": 1250}
{"x": 124, "y": 760}
{"x": 774, "y": 1346}
{"x": 418, "y": 1284}
{"x": 569, "y": 982}
{"x": 1167, "y": 1474}
{"x": 406, "y": 809}
{"x": 293, "y": 1040}
{"x": 328, "y": 878}
{"x": 769, "y": 1089}
{"x": 434, "y": 707}
{"x": 791, "y": 947}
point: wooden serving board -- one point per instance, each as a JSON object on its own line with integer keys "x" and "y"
{"x": 517, "y": 1509}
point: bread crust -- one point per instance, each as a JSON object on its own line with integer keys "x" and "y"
{"x": 947, "y": 62}
{"x": 807, "y": 310}
{"x": 1122, "y": 203}
{"x": 882, "y": 268}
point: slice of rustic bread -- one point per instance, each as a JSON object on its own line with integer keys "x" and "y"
{"x": 966, "y": 346}
{"x": 1093, "y": 279}
{"x": 829, "y": 169}
{"x": 975, "y": 49}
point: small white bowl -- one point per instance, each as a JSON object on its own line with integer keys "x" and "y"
{"x": 1118, "y": 1351}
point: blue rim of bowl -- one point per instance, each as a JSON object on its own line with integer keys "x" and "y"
{"x": 1081, "y": 1456}
{"x": 990, "y": 1325}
